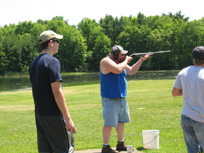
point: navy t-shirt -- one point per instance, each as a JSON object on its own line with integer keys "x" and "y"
{"x": 44, "y": 70}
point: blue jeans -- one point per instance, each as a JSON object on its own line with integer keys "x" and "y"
{"x": 193, "y": 132}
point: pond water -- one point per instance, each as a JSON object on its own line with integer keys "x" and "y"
{"x": 23, "y": 82}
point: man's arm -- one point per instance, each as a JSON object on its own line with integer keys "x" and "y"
{"x": 107, "y": 65}
{"x": 131, "y": 70}
{"x": 60, "y": 100}
{"x": 177, "y": 92}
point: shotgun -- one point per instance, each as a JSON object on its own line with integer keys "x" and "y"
{"x": 152, "y": 53}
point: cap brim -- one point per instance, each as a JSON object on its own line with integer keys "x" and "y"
{"x": 59, "y": 36}
{"x": 124, "y": 52}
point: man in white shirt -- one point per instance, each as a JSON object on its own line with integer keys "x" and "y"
{"x": 190, "y": 84}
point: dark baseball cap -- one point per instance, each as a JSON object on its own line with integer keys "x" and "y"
{"x": 198, "y": 53}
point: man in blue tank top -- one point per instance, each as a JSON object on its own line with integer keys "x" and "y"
{"x": 113, "y": 70}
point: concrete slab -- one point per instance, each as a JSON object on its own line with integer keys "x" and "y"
{"x": 99, "y": 151}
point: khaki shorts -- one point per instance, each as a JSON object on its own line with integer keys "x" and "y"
{"x": 115, "y": 110}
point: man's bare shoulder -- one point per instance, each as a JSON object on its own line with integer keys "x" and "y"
{"x": 105, "y": 59}
{"x": 105, "y": 62}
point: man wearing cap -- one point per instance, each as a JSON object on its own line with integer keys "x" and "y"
{"x": 189, "y": 83}
{"x": 51, "y": 113}
{"x": 113, "y": 70}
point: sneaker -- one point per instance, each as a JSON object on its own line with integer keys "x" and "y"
{"x": 107, "y": 149}
{"x": 121, "y": 146}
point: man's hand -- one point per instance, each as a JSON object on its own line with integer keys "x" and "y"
{"x": 144, "y": 58}
{"x": 69, "y": 125}
{"x": 129, "y": 59}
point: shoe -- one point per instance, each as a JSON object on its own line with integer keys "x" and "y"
{"x": 121, "y": 146}
{"x": 107, "y": 149}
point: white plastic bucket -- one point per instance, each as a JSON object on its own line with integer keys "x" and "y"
{"x": 150, "y": 139}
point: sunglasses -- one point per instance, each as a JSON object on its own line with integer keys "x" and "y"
{"x": 55, "y": 40}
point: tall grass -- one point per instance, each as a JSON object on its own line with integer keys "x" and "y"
{"x": 151, "y": 107}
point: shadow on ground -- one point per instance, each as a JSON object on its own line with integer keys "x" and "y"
{"x": 141, "y": 149}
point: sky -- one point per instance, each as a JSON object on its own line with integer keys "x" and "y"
{"x": 15, "y": 11}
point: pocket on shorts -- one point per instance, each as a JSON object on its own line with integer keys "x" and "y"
{"x": 104, "y": 101}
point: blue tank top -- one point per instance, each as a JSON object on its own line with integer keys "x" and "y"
{"x": 113, "y": 85}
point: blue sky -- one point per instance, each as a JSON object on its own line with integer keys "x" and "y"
{"x": 15, "y": 11}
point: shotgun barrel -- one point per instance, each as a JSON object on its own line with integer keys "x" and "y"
{"x": 152, "y": 53}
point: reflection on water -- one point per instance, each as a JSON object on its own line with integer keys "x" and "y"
{"x": 23, "y": 83}
{"x": 12, "y": 84}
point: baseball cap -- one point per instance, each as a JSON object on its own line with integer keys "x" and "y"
{"x": 198, "y": 53}
{"x": 120, "y": 49}
{"x": 47, "y": 35}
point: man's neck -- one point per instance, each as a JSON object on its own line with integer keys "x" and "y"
{"x": 115, "y": 60}
{"x": 47, "y": 51}
{"x": 201, "y": 65}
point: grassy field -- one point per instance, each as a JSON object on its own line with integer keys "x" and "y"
{"x": 159, "y": 111}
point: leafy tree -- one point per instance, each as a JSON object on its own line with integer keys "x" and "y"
{"x": 30, "y": 51}
{"x": 107, "y": 24}
{"x": 192, "y": 36}
{"x": 13, "y": 53}
{"x": 89, "y": 42}
{"x": 24, "y": 27}
{"x": 2, "y": 55}
{"x": 159, "y": 22}
{"x": 40, "y": 21}
{"x": 92, "y": 33}
{"x": 8, "y": 30}
{"x": 134, "y": 21}
{"x": 141, "y": 19}
{"x": 37, "y": 29}
{"x": 56, "y": 24}
{"x": 101, "y": 49}
{"x": 72, "y": 49}
{"x": 120, "y": 25}
{"x": 113, "y": 27}
{"x": 88, "y": 28}
{"x": 159, "y": 39}
{"x": 178, "y": 44}
{"x": 58, "y": 18}
{"x": 134, "y": 39}
{"x": 177, "y": 16}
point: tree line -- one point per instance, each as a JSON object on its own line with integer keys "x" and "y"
{"x": 84, "y": 45}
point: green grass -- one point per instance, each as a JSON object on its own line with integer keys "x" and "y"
{"x": 161, "y": 111}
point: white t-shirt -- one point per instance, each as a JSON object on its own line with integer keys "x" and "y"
{"x": 191, "y": 81}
